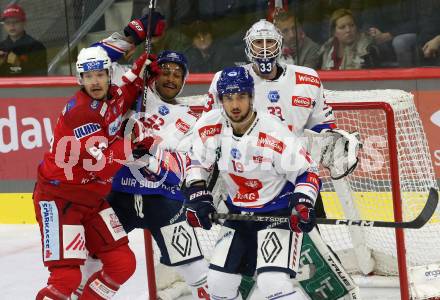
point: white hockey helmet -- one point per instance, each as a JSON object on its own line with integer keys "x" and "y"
{"x": 263, "y": 30}
{"x": 92, "y": 59}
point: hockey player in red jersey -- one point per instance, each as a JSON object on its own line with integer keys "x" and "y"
{"x": 75, "y": 176}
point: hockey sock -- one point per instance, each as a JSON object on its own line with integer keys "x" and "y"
{"x": 118, "y": 266}
{"x": 195, "y": 276}
{"x": 91, "y": 266}
{"x": 274, "y": 285}
{"x": 61, "y": 283}
{"x": 224, "y": 285}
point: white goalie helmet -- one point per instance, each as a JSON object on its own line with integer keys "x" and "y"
{"x": 92, "y": 59}
{"x": 263, "y": 30}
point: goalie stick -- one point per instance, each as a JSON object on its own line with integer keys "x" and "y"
{"x": 418, "y": 222}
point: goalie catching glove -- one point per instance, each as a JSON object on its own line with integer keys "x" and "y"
{"x": 336, "y": 149}
{"x": 303, "y": 214}
{"x": 198, "y": 206}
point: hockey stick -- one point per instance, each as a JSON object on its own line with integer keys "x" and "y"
{"x": 140, "y": 107}
{"x": 422, "y": 218}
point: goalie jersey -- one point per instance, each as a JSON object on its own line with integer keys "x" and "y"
{"x": 296, "y": 97}
{"x": 260, "y": 169}
{"x": 170, "y": 125}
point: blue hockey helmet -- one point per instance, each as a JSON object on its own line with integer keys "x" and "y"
{"x": 175, "y": 57}
{"x": 235, "y": 80}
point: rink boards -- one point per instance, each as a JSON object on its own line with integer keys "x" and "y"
{"x": 17, "y": 208}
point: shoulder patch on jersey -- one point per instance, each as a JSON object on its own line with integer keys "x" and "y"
{"x": 94, "y": 105}
{"x": 115, "y": 125}
{"x": 265, "y": 140}
{"x": 301, "y": 101}
{"x": 86, "y": 130}
{"x": 273, "y": 96}
{"x": 209, "y": 131}
{"x": 163, "y": 110}
{"x": 235, "y": 153}
{"x": 182, "y": 126}
{"x": 69, "y": 106}
{"x": 302, "y": 78}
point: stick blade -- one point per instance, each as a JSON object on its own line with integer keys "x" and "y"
{"x": 427, "y": 211}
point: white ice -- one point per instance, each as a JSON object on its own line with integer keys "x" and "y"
{"x": 22, "y": 273}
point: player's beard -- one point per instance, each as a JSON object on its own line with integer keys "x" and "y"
{"x": 243, "y": 119}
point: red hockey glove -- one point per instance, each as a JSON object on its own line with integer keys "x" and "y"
{"x": 137, "y": 28}
{"x": 303, "y": 214}
{"x": 137, "y": 70}
{"x": 198, "y": 206}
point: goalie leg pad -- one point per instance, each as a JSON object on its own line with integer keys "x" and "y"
{"x": 224, "y": 285}
{"x": 275, "y": 285}
{"x": 329, "y": 280}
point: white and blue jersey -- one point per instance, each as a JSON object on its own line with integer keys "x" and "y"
{"x": 170, "y": 125}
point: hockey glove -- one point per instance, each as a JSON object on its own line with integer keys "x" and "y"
{"x": 303, "y": 214}
{"x": 137, "y": 28}
{"x": 138, "y": 68}
{"x": 198, "y": 206}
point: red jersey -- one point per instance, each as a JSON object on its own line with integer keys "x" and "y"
{"x": 87, "y": 148}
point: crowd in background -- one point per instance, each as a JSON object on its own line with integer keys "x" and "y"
{"x": 322, "y": 34}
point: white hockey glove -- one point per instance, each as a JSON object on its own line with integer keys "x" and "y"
{"x": 336, "y": 149}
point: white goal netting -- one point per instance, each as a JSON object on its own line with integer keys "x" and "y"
{"x": 368, "y": 192}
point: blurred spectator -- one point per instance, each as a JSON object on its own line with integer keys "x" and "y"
{"x": 347, "y": 48}
{"x": 203, "y": 54}
{"x": 20, "y": 54}
{"x": 428, "y": 37}
{"x": 393, "y": 26}
{"x": 314, "y": 15}
{"x": 298, "y": 48}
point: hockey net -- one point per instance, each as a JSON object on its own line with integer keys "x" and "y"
{"x": 391, "y": 182}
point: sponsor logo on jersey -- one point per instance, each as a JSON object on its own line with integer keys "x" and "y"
{"x": 115, "y": 125}
{"x": 235, "y": 153}
{"x": 193, "y": 113}
{"x": 209, "y": 131}
{"x": 69, "y": 106}
{"x": 301, "y": 101}
{"x": 265, "y": 140}
{"x": 254, "y": 184}
{"x": 273, "y": 96}
{"x": 435, "y": 118}
{"x": 94, "y": 104}
{"x": 313, "y": 179}
{"x": 258, "y": 159}
{"x": 86, "y": 130}
{"x": 247, "y": 197}
{"x": 103, "y": 109}
{"x": 302, "y": 78}
{"x": 163, "y": 110}
{"x": 182, "y": 126}
{"x": 51, "y": 235}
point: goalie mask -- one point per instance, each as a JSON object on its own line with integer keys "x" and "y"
{"x": 92, "y": 59}
{"x": 263, "y": 45}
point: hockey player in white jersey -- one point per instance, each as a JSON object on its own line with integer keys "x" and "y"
{"x": 295, "y": 95}
{"x": 266, "y": 170}
{"x": 148, "y": 195}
